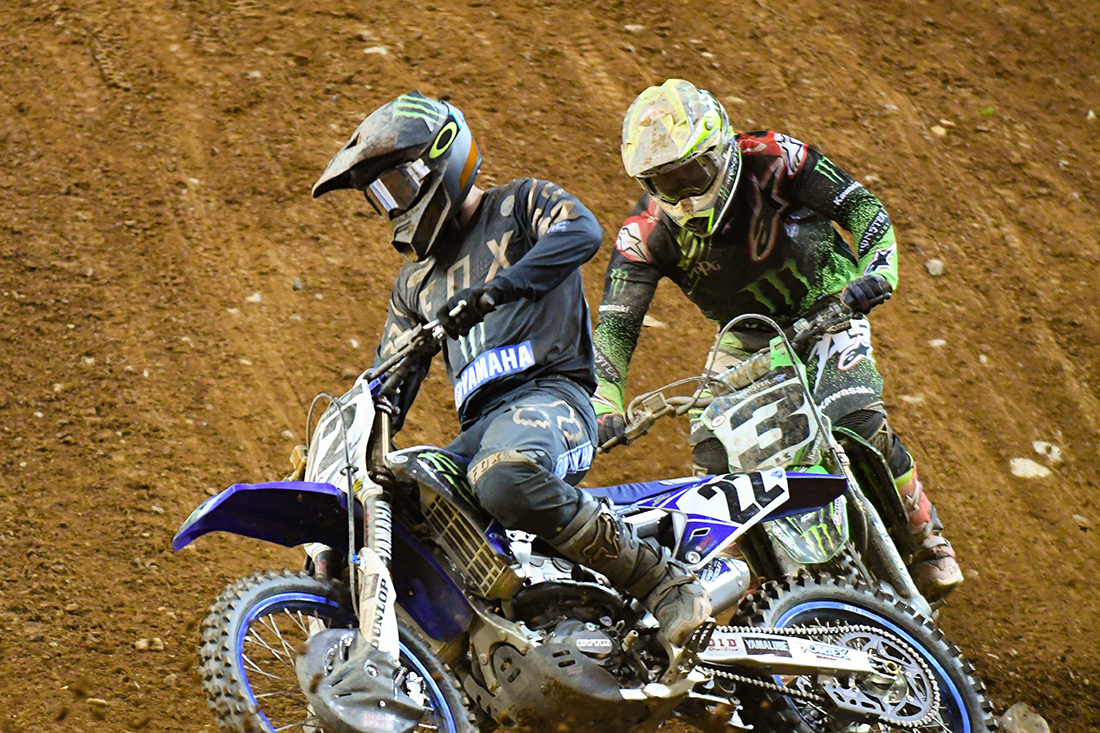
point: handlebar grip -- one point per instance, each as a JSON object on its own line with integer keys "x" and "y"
{"x": 879, "y": 300}
{"x": 457, "y": 309}
{"x": 608, "y": 445}
{"x": 486, "y": 303}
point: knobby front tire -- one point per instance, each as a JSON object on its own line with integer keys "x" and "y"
{"x": 251, "y": 637}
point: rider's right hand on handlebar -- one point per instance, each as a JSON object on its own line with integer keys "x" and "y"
{"x": 864, "y": 293}
{"x": 476, "y": 303}
{"x": 611, "y": 426}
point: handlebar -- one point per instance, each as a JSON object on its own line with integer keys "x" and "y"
{"x": 646, "y": 409}
{"x": 420, "y": 339}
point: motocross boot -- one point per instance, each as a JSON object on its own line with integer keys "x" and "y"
{"x": 933, "y": 566}
{"x": 601, "y": 541}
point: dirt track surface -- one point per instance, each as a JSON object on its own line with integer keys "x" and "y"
{"x": 155, "y": 165}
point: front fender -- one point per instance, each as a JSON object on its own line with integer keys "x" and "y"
{"x": 292, "y": 513}
{"x": 288, "y": 513}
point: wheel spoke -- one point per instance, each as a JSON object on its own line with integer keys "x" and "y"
{"x": 255, "y": 638}
{"x": 269, "y": 622}
{"x": 299, "y": 725}
{"x": 256, "y": 668}
{"x": 290, "y": 692}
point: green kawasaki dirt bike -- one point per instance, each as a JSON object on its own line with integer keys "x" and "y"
{"x": 764, "y": 414}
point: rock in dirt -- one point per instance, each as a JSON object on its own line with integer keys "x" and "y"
{"x": 1027, "y": 468}
{"x": 934, "y": 267}
{"x": 1020, "y": 718}
{"x": 1052, "y": 452}
{"x": 149, "y": 645}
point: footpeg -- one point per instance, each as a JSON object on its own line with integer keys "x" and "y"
{"x": 700, "y": 638}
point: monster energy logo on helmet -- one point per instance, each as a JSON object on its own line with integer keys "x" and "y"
{"x": 419, "y": 108}
{"x": 678, "y": 143}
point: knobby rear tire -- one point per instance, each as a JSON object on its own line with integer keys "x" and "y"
{"x": 808, "y": 600}
{"x": 249, "y": 641}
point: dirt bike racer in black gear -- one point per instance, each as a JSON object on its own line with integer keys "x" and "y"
{"x": 518, "y": 351}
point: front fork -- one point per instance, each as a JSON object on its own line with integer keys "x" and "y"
{"x": 377, "y": 613}
{"x": 879, "y": 543}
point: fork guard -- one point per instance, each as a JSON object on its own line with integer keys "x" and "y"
{"x": 350, "y": 685}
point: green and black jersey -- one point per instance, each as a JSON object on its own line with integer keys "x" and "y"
{"x": 776, "y": 253}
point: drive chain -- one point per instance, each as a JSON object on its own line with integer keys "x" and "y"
{"x": 810, "y": 632}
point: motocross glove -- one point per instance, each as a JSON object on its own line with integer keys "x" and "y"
{"x": 864, "y": 293}
{"x": 611, "y": 425}
{"x": 477, "y": 303}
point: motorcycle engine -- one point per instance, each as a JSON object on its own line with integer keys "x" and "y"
{"x": 573, "y": 676}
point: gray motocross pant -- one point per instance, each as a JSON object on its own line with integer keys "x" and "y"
{"x": 527, "y": 451}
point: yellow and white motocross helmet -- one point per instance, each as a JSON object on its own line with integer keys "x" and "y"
{"x": 678, "y": 143}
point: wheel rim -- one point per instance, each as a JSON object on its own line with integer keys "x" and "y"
{"x": 952, "y": 709}
{"x": 266, "y": 642}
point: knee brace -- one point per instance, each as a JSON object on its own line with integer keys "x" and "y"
{"x": 709, "y": 456}
{"x": 872, "y": 426}
{"x": 519, "y": 492}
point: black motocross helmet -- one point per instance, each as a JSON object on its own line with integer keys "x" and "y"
{"x": 415, "y": 160}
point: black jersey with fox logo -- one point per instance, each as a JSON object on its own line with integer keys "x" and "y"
{"x": 776, "y": 251}
{"x": 529, "y": 239}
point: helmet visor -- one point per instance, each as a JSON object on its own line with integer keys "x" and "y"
{"x": 686, "y": 179}
{"x": 396, "y": 190}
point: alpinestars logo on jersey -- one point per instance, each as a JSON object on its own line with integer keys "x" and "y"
{"x": 852, "y": 346}
{"x": 793, "y": 153}
{"x": 764, "y": 225}
{"x": 882, "y": 260}
{"x": 632, "y": 238}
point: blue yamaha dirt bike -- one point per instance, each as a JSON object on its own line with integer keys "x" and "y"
{"x": 468, "y": 626}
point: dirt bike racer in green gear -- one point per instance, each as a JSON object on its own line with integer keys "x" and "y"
{"x": 744, "y": 223}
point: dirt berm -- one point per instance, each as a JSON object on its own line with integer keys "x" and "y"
{"x": 171, "y": 298}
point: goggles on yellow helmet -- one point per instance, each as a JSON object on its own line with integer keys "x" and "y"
{"x": 683, "y": 179}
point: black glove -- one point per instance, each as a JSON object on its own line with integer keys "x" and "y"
{"x": 479, "y": 302}
{"x": 864, "y": 293}
{"x": 611, "y": 425}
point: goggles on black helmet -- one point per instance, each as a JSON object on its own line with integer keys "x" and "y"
{"x": 396, "y": 190}
{"x": 682, "y": 180}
